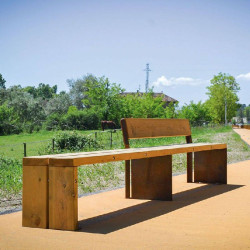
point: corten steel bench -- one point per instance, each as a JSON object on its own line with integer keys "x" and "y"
{"x": 50, "y": 183}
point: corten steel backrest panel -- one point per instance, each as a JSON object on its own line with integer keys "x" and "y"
{"x": 135, "y": 128}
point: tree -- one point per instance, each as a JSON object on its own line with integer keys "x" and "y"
{"x": 78, "y": 88}
{"x": 58, "y": 104}
{"x": 2, "y": 82}
{"x": 222, "y": 93}
{"x": 28, "y": 110}
{"x": 104, "y": 98}
{"x": 144, "y": 105}
{"x": 247, "y": 113}
{"x": 196, "y": 113}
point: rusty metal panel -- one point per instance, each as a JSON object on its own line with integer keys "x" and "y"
{"x": 211, "y": 166}
{"x": 152, "y": 178}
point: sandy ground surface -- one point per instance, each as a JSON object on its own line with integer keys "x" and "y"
{"x": 199, "y": 217}
{"x": 244, "y": 134}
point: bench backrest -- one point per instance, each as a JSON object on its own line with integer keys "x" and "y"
{"x": 136, "y": 128}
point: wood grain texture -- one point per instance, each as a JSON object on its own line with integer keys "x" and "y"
{"x": 63, "y": 198}
{"x": 35, "y": 196}
{"x": 211, "y": 166}
{"x": 149, "y": 128}
{"x": 152, "y": 178}
{"x": 129, "y": 154}
{"x": 189, "y": 162}
{"x": 127, "y": 179}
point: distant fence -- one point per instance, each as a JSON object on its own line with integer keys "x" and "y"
{"x": 108, "y": 139}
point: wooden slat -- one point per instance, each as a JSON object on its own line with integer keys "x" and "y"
{"x": 35, "y": 161}
{"x": 149, "y": 128}
{"x": 128, "y": 154}
{"x": 35, "y": 196}
{"x": 83, "y": 158}
{"x": 63, "y": 195}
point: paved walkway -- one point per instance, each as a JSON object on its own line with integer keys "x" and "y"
{"x": 244, "y": 134}
{"x": 200, "y": 216}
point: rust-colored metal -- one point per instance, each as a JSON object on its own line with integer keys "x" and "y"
{"x": 152, "y": 178}
{"x": 211, "y": 166}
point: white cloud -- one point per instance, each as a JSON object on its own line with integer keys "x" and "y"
{"x": 244, "y": 76}
{"x": 175, "y": 81}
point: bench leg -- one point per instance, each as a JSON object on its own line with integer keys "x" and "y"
{"x": 127, "y": 179}
{"x": 189, "y": 167}
{"x": 211, "y": 166}
{"x": 35, "y": 196}
{"x": 152, "y": 178}
{"x": 63, "y": 198}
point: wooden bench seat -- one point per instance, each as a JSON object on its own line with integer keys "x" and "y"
{"x": 94, "y": 157}
{"x": 50, "y": 182}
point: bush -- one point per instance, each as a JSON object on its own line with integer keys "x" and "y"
{"x": 73, "y": 120}
{"x": 54, "y": 121}
{"x": 81, "y": 120}
{"x": 70, "y": 141}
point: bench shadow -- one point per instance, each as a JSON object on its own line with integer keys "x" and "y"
{"x": 113, "y": 221}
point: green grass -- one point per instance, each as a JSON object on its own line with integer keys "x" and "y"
{"x": 11, "y": 176}
{"x": 12, "y": 145}
{"x": 102, "y": 176}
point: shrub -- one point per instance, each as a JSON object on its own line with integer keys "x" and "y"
{"x": 54, "y": 121}
{"x": 81, "y": 120}
{"x": 70, "y": 141}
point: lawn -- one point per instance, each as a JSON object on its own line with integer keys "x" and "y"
{"x": 104, "y": 176}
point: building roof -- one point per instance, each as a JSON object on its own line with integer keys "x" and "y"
{"x": 166, "y": 98}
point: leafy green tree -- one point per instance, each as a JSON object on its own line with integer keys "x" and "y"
{"x": 196, "y": 113}
{"x": 28, "y": 110}
{"x": 103, "y": 97}
{"x": 171, "y": 110}
{"x": 144, "y": 105}
{"x": 45, "y": 91}
{"x": 247, "y": 113}
{"x": 222, "y": 93}
{"x": 7, "y": 121}
{"x": 58, "y": 104}
{"x": 78, "y": 88}
{"x": 2, "y": 82}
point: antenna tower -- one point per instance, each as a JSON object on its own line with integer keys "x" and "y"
{"x": 147, "y": 76}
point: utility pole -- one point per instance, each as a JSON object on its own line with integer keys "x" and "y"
{"x": 225, "y": 111}
{"x": 147, "y": 76}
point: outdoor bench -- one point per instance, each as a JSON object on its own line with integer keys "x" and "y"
{"x": 50, "y": 183}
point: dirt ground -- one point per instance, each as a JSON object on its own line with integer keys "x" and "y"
{"x": 201, "y": 216}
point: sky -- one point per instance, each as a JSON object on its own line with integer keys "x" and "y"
{"x": 185, "y": 43}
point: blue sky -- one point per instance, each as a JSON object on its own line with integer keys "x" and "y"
{"x": 185, "y": 43}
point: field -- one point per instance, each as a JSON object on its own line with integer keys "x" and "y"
{"x": 101, "y": 176}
